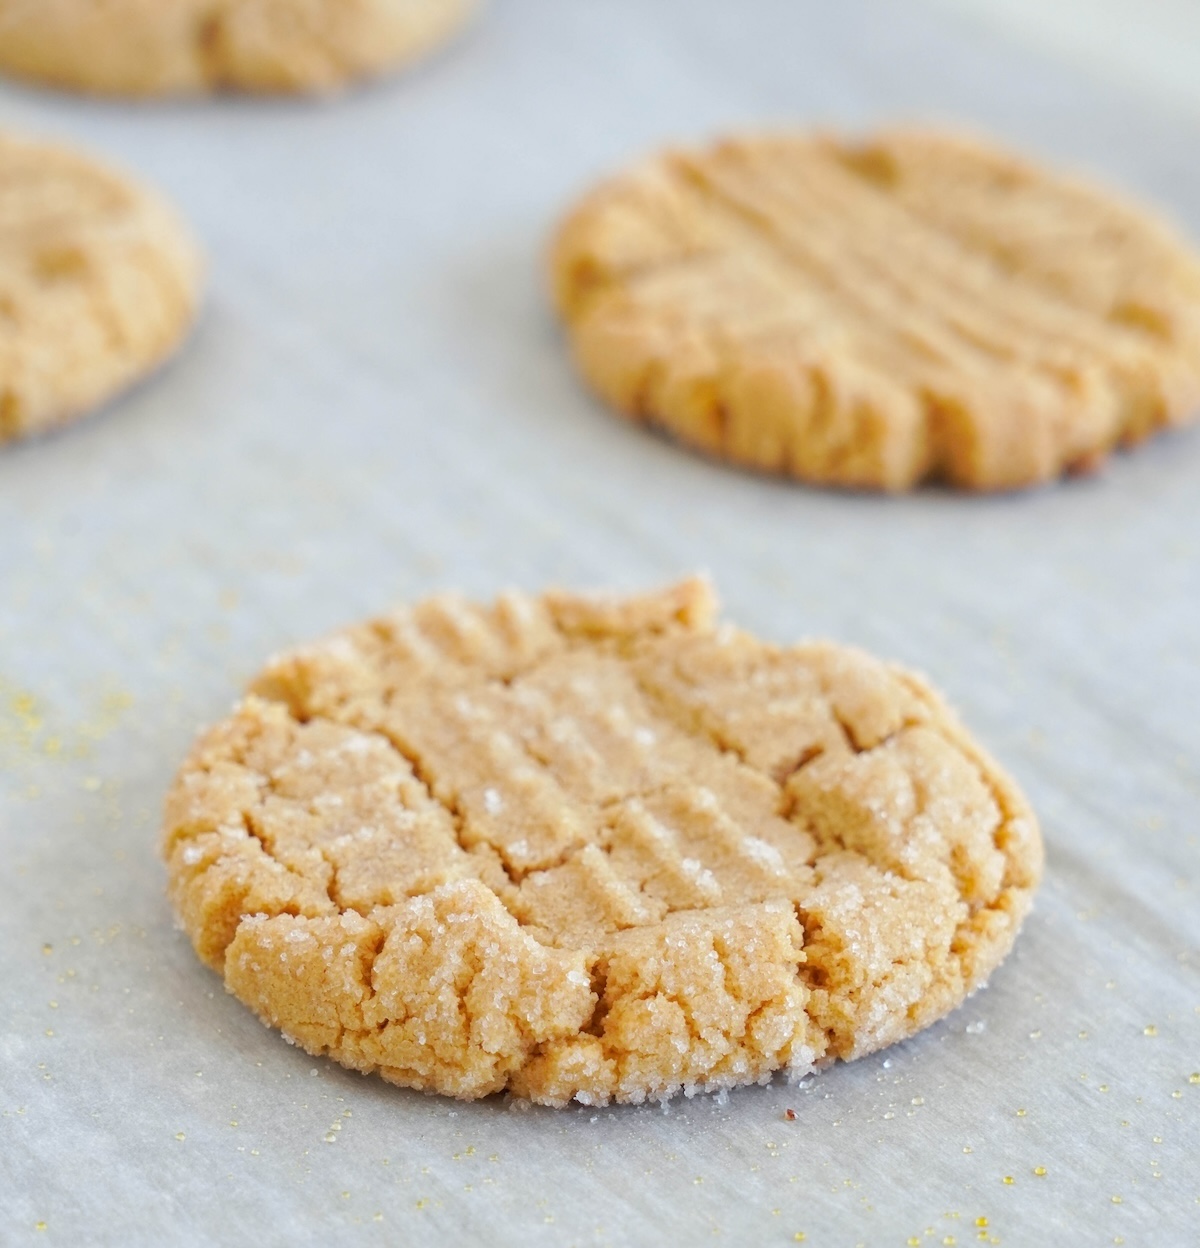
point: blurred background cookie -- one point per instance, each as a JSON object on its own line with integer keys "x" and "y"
{"x": 159, "y": 47}
{"x": 99, "y": 283}
{"x": 877, "y": 313}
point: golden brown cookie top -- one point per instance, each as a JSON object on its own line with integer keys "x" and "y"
{"x": 159, "y": 47}
{"x": 878, "y": 312}
{"x": 593, "y": 847}
{"x": 99, "y": 281}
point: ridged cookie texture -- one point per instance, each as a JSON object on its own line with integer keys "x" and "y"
{"x": 874, "y": 313}
{"x": 99, "y": 283}
{"x": 597, "y": 848}
{"x": 165, "y": 47}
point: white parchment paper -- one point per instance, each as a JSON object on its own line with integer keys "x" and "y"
{"x": 377, "y": 404}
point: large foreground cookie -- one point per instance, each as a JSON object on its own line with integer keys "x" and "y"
{"x": 877, "y": 313}
{"x": 595, "y": 848}
{"x": 153, "y": 47}
{"x": 99, "y": 282}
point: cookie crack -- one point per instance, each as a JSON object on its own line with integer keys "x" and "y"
{"x": 1009, "y": 815}
{"x": 252, "y": 823}
{"x": 599, "y": 985}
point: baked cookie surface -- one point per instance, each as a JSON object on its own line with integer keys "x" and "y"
{"x": 598, "y": 848}
{"x": 156, "y": 47}
{"x": 99, "y": 283}
{"x": 876, "y": 313}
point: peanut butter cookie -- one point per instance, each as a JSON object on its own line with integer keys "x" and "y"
{"x": 877, "y": 313}
{"x": 593, "y": 848}
{"x": 99, "y": 283}
{"x": 157, "y": 47}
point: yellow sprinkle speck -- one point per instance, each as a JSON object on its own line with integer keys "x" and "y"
{"x": 949, "y": 1239}
{"x": 1040, "y": 1171}
{"x": 378, "y": 1217}
{"x": 179, "y": 1135}
{"x": 1009, "y": 1179}
{"x": 1036, "y": 1035}
{"x": 913, "y": 1242}
{"x": 39, "y": 1226}
{"x": 981, "y": 1221}
{"x": 1150, "y": 1030}
{"x": 1194, "y": 1077}
{"x": 47, "y": 950}
{"x": 1177, "y": 1094}
{"x": 1158, "y": 1139}
{"x": 918, "y": 1100}
{"x": 799, "y": 1237}
{"x": 1083, "y": 1035}
{"x": 1104, "y": 1087}
{"x": 49, "y": 1031}
{"x": 967, "y": 1148}
{"x": 1116, "y": 1200}
{"x": 1022, "y": 1112}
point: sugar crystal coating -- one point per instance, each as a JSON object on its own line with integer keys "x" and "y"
{"x": 593, "y": 848}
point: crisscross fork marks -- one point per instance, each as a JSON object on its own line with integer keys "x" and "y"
{"x": 809, "y": 306}
{"x": 863, "y": 863}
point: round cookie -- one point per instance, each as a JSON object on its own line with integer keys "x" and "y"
{"x": 598, "y": 848}
{"x": 158, "y": 47}
{"x": 99, "y": 282}
{"x": 876, "y": 313}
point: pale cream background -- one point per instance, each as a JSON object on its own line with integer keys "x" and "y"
{"x": 1150, "y": 45}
